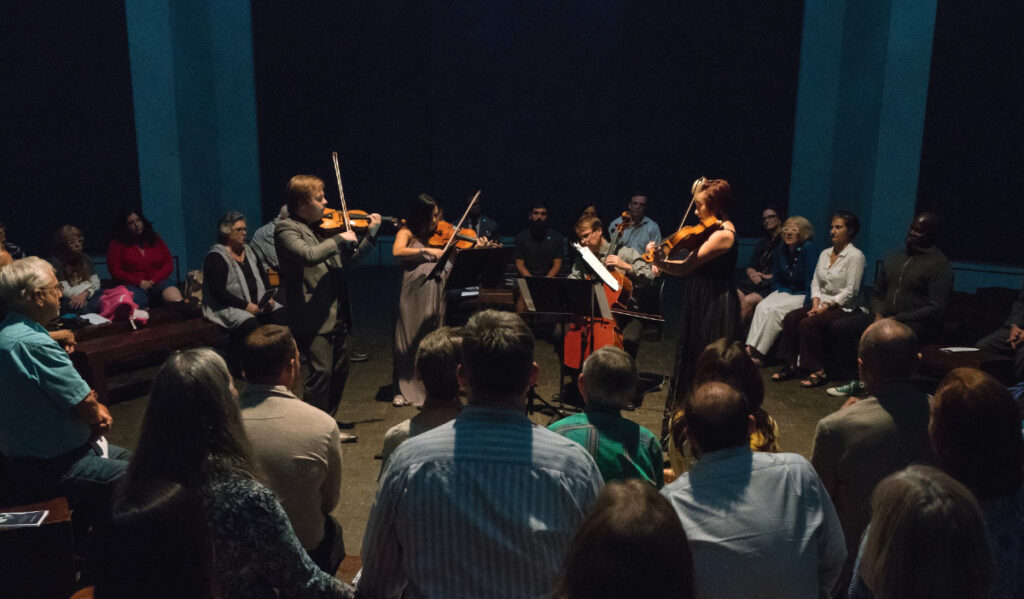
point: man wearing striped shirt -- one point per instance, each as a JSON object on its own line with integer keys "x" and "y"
{"x": 485, "y": 505}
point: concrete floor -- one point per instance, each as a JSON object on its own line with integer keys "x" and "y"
{"x": 796, "y": 410}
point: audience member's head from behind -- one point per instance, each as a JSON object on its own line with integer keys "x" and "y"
{"x": 131, "y": 227}
{"x": 497, "y": 359}
{"x": 29, "y": 287}
{"x": 192, "y": 428}
{"x": 927, "y": 539}
{"x": 437, "y": 362}
{"x": 717, "y": 418}
{"x": 975, "y": 432}
{"x": 608, "y": 379}
{"x": 630, "y": 545}
{"x": 155, "y": 544}
{"x": 887, "y": 353}
{"x": 270, "y": 356}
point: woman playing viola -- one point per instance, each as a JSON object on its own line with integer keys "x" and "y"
{"x": 709, "y": 303}
{"x": 421, "y": 305}
{"x": 138, "y": 259}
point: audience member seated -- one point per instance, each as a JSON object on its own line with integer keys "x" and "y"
{"x": 1009, "y": 339}
{"x": 155, "y": 544}
{"x": 297, "y": 445}
{"x": 234, "y": 283}
{"x": 869, "y": 439}
{"x": 192, "y": 434}
{"x": 759, "y": 524}
{"x": 913, "y": 288}
{"x": 8, "y": 251}
{"x": 485, "y": 505}
{"x": 835, "y": 293}
{"x": 262, "y": 243}
{"x": 642, "y": 229}
{"x": 792, "y": 270}
{"x": 927, "y": 539}
{"x": 724, "y": 362}
{"x": 975, "y": 430}
{"x": 539, "y": 249}
{"x": 79, "y": 283}
{"x": 756, "y": 281}
{"x": 50, "y": 420}
{"x": 631, "y": 545}
{"x": 138, "y": 259}
{"x": 437, "y": 358}
{"x": 622, "y": 448}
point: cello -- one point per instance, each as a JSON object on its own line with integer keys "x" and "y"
{"x": 593, "y": 332}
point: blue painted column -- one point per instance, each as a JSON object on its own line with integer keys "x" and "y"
{"x": 195, "y": 118}
{"x": 861, "y": 96}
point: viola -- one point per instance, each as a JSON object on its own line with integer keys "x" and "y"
{"x": 686, "y": 238}
{"x": 465, "y": 238}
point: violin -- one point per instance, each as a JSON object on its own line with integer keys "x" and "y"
{"x": 465, "y": 238}
{"x": 686, "y": 238}
{"x": 333, "y": 221}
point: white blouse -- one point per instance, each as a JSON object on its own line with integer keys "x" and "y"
{"x": 839, "y": 283}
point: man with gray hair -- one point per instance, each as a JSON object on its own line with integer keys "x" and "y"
{"x": 759, "y": 524}
{"x": 869, "y": 439}
{"x": 51, "y": 423}
{"x": 622, "y": 448}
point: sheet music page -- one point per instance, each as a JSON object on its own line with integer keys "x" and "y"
{"x": 595, "y": 264}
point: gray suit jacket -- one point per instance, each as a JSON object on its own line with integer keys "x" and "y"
{"x": 313, "y": 276}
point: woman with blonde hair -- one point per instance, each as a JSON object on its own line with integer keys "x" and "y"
{"x": 78, "y": 281}
{"x": 793, "y": 265}
{"x": 926, "y": 539}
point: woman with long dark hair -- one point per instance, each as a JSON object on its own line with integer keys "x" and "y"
{"x": 421, "y": 305}
{"x": 139, "y": 259}
{"x": 192, "y": 434}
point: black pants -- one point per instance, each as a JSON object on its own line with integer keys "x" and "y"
{"x": 996, "y": 343}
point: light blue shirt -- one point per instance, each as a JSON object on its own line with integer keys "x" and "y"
{"x": 40, "y": 388}
{"x": 759, "y": 525}
{"x": 483, "y": 506}
{"x": 637, "y": 237}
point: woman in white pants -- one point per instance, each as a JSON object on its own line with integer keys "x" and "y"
{"x": 792, "y": 271}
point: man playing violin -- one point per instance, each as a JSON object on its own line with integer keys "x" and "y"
{"x": 623, "y": 259}
{"x": 641, "y": 230}
{"x": 313, "y": 276}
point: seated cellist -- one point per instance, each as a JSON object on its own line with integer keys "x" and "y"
{"x": 616, "y": 257}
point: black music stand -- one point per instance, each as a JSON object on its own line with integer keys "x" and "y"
{"x": 479, "y": 267}
{"x": 566, "y": 300}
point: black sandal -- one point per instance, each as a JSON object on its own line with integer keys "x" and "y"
{"x": 784, "y": 374}
{"x": 814, "y": 380}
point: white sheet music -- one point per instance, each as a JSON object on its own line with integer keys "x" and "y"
{"x": 601, "y": 270}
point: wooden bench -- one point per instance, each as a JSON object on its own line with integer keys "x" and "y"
{"x": 102, "y": 347}
{"x": 936, "y": 363}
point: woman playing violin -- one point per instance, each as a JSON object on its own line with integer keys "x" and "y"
{"x": 709, "y": 304}
{"x": 421, "y": 305}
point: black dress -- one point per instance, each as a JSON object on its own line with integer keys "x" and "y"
{"x": 709, "y": 310}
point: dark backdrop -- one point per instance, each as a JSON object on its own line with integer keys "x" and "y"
{"x": 574, "y": 102}
{"x": 972, "y": 161}
{"x": 67, "y": 130}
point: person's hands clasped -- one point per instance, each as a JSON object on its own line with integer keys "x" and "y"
{"x": 79, "y": 300}
{"x": 1016, "y": 338}
{"x": 145, "y": 284}
{"x": 252, "y": 309}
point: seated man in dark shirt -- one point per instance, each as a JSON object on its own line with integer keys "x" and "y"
{"x": 539, "y": 248}
{"x": 913, "y": 288}
{"x": 1009, "y": 338}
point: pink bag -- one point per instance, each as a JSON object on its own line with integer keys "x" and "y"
{"x": 117, "y": 303}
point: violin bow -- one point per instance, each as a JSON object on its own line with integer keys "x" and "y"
{"x": 341, "y": 192}
{"x": 458, "y": 226}
{"x": 447, "y": 251}
{"x": 693, "y": 197}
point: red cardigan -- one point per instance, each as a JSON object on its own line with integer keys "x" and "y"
{"x": 128, "y": 265}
